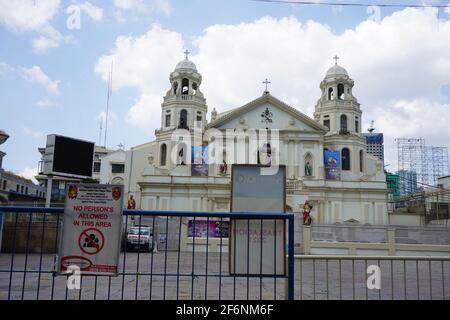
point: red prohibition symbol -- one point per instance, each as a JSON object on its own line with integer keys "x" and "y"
{"x": 91, "y": 241}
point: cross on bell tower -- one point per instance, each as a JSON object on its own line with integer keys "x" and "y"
{"x": 336, "y": 58}
{"x": 187, "y": 53}
{"x": 266, "y": 82}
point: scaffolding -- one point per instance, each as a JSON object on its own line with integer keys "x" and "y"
{"x": 420, "y": 165}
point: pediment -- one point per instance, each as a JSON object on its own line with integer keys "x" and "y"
{"x": 267, "y": 112}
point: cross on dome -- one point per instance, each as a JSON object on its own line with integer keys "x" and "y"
{"x": 336, "y": 58}
{"x": 186, "y": 53}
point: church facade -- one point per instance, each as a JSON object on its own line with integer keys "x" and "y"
{"x": 160, "y": 176}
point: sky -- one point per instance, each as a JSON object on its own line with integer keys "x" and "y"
{"x": 55, "y": 58}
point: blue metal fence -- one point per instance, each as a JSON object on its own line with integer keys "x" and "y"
{"x": 29, "y": 255}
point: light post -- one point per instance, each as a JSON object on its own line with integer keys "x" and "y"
{"x": 3, "y": 137}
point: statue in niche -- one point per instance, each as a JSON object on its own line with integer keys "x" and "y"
{"x": 308, "y": 170}
{"x": 150, "y": 158}
{"x": 223, "y": 167}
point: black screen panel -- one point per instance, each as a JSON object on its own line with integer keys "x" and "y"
{"x": 73, "y": 157}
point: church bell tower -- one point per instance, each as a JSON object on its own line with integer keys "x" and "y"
{"x": 340, "y": 111}
{"x": 184, "y": 105}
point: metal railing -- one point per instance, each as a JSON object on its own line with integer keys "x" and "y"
{"x": 339, "y": 277}
{"x": 172, "y": 270}
{"x": 187, "y": 266}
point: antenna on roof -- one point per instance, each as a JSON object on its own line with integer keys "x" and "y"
{"x": 371, "y": 128}
{"x": 100, "y": 134}
{"x": 107, "y": 100}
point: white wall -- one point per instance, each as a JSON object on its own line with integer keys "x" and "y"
{"x": 135, "y": 162}
{"x": 106, "y": 175}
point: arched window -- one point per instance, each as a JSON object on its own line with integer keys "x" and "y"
{"x": 199, "y": 119}
{"x": 117, "y": 180}
{"x": 361, "y": 160}
{"x": 168, "y": 119}
{"x": 357, "y": 125}
{"x": 163, "y": 155}
{"x": 183, "y": 119}
{"x": 343, "y": 123}
{"x": 340, "y": 94}
{"x": 345, "y": 158}
{"x": 194, "y": 88}
{"x": 330, "y": 94}
{"x": 185, "y": 86}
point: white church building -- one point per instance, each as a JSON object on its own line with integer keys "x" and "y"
{"x": 358, "y": 194}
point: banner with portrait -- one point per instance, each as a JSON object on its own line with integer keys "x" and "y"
{"x": 199, "y": 161}
{"x": 332, "y": 164}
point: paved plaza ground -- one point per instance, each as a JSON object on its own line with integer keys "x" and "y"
{"x": 169, "y": 276}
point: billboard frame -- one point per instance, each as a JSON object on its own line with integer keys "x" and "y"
{"x": 49, "y": 158}
{"x": 232, "y": 222}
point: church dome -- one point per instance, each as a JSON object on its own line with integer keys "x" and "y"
{"x": 186, "y": 65}
{"x": 336, "y": 70}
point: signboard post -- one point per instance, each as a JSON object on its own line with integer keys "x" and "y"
{"x": 92, "y": 229}
{"x": 257, "y": 247}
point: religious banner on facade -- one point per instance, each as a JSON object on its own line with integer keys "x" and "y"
{"x": 332, "y": 161}
{"x": 208, "y": 229}
{"x": 199, "y": 163}
{"x": 257, "y": 247}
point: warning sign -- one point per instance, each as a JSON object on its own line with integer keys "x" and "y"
{"x": 91, "y": 241}
{"x": 92, "y": 228}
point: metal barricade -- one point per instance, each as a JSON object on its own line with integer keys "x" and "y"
{"x": 175, "y": 269}
{"x": 341, "y": 277}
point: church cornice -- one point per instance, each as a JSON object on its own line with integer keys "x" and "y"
{"x": 342, "y": 139}
{"x": 184, "y": 99}
{"x": 338, "y": 105}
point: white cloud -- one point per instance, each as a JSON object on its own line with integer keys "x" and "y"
{"x": 112, "y": 117}
{"x": 163, "y": 6}
{"x": 46, "y": 103}
{"x": 142, "y": 113}
{"x": 5, "y": 67}
{"x": 27, "y": 15}
{"x": 29, "y": 173}
{"x": 398, "y": 73}
{"x": 141, "y": 7}
{"x": 29, "y": 132}
{"x": 36, "y": 75}
{"x": 32, "y": 16}
{"x": 130, "y": 4}
{"x": 94, "y": 12}
{"x": 143, "y": 62}
{"x": 119, "y": 16}
{"x": 41, "y": 44}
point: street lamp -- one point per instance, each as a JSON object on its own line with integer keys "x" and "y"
{"x": 3, "y": 136}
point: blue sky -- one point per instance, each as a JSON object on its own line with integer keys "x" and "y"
{"x": 57, "y": 85}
